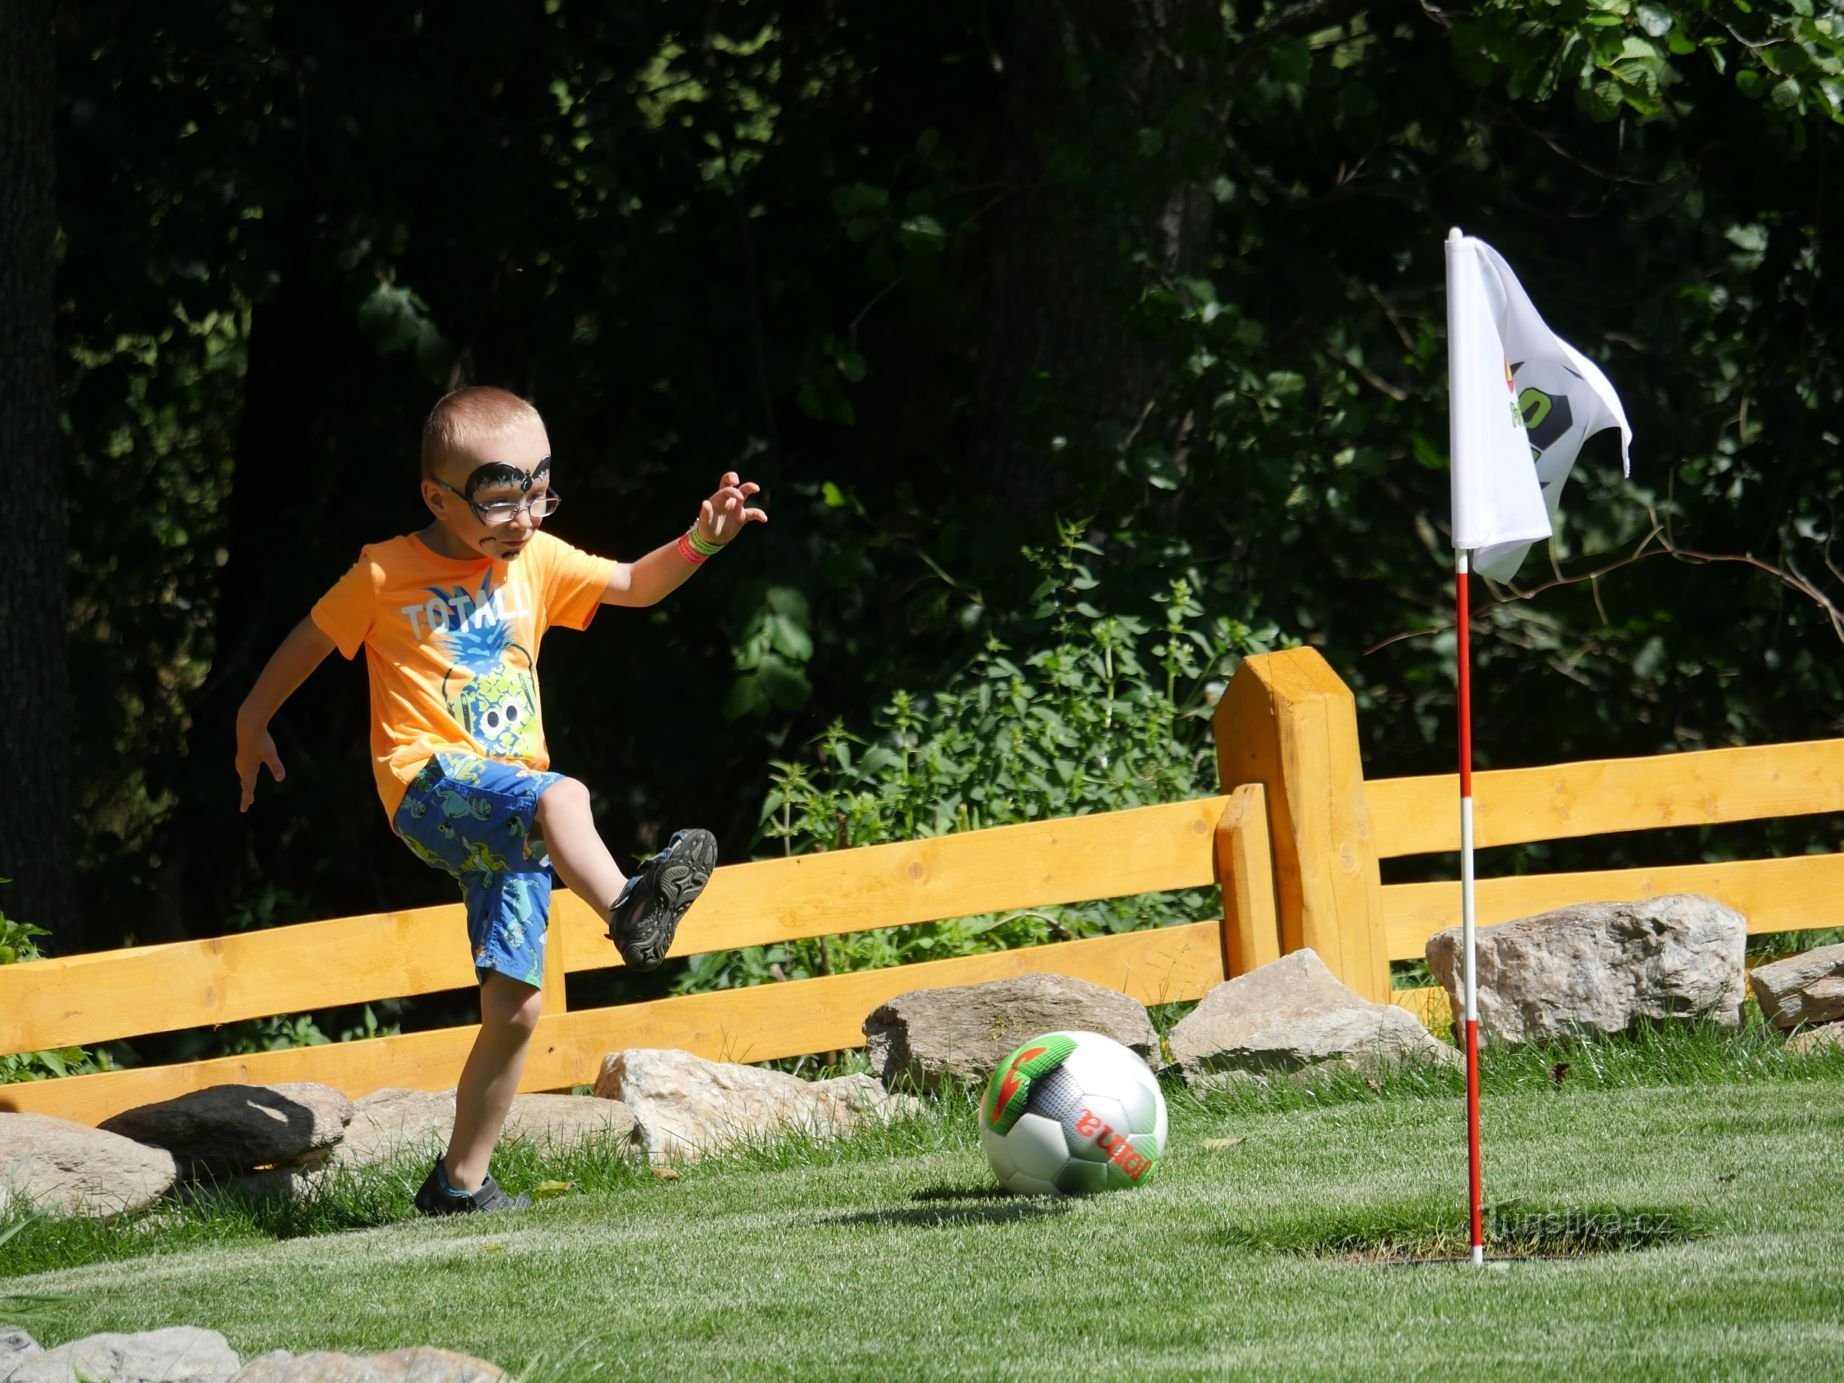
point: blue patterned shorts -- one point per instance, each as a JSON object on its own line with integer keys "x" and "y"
{"x": 472, "y": 818}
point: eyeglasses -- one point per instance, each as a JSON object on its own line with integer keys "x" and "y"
{"x": 502, "y": 512}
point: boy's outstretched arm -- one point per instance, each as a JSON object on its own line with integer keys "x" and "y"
{"x": 663, "y": 570}
{"x": 301, "y": 652}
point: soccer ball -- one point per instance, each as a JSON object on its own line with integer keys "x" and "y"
{"x": 1072, "y": 1112}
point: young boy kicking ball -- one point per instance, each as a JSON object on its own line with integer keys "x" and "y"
{"x": 450, "y": 619}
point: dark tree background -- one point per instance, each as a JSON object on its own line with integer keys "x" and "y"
{"x": 937, "y": 276}
{"x": 34, "y": 720}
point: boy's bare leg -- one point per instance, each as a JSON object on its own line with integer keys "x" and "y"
{"x": 576, "y": 849}
{"x": 508, "y": 1013}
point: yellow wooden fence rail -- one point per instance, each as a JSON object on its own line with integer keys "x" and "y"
{"x": 100, "y": 997}
{"x": 1295, "y": 843}
{"x": 1331, "y": 828}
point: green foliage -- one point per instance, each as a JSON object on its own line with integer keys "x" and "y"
{"x": 19, "y": 942}
{"x": 930, "y": 275}
{"x": 1614, "y": 56}
{"x": 1110, "y": 711}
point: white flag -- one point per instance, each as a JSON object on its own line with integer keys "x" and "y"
{"x": 1523, "y": 402}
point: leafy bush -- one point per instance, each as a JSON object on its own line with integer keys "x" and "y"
{"x": 18, "y": 941}
{"x": 1111, "y": 712}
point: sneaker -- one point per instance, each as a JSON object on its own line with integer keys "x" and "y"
{"x": 436, "y": 1197}
{"x": 647, "y": 913}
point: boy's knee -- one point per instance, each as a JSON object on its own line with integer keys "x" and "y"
{"x": 524, "y": 1017}
{"x": 506, "y": 1003}
{"x": 566, "y": 795}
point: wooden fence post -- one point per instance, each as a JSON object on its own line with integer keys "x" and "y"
{"x": 1286, "y": 721}
{"x": 1245, "y": 872}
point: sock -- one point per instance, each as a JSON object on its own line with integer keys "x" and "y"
{"x": 441, "y": 1175}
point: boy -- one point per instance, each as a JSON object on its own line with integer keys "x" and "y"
{"x": 450, "y": 619}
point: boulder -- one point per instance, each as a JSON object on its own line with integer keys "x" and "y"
{"x": 15, "y": 1348}
{"x": 177, "y": 1354}
{"x": 389, "y": 1123}
{"x": 419, "y": 1365}
{"x": 1817, "y": 1039}
{"x": 61, "y": 1167}
{"x": 933, "y": 1039}
{"x": 685, "y": 1107}
{"x": 1293, "y": 1017}
{"x": 226, "y": 1129}
{"x": 1806, "y": 988}
{"x": 1601, "y": 968}
{"x": 558, "y": 1123}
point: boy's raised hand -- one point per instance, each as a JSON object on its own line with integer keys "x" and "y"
{"x": 724, "y": 514}
{"x": 254, "y": 750}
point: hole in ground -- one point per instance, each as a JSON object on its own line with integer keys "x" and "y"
{"x": 1512, "y": 1231}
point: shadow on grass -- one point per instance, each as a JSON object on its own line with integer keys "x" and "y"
{"x": 957, "y": 1205}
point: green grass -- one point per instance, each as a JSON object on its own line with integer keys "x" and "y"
{"x": 1714, "y": 1159}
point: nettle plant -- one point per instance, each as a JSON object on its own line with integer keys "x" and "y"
{"x": 1113, "y": 711}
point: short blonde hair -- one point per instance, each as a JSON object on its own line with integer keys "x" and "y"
{"x": 466, "y": 416}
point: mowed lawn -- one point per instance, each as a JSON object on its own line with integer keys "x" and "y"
{"x": 891, "y": 1257}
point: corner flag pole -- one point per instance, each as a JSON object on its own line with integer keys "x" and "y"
{"x": 1487, "y": 437}
{"x": 1463, "y": 654}
{"x": 1506, "y": 371}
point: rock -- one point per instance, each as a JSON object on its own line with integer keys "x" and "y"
{"x": 61, "y": 1167}
{"x": 558, "y": 1123}
{"x": 934, "y": 1039}
{"x": 1806, "y": 988}
{"x": 684, "y": 1106}
{"x": 15, "y": 1348}
{"x": 389, "y": 1123}
{"x": 178, "y": 1354}
{"x": 272, "y": 1184}
{"x": 1601, "y": 968}
{"x": 420, "y": 1365}
{"x": 226, "y": 1129}
{"x": 1817, "y": 1039}
{"x": 1293, "y": 1017}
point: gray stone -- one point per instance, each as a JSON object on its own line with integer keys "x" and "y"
{"x": 15, "y": 1348}
{"x": 1806, "y": 988}
{"x": 1817, "y": 1039}
{"x": 685, "y": 1107}
{"x": 559, "y": 1123}
{"x": 275, "y": 1184}
{"x": 390, "y": 1123}
{"x": 59, "y": 1167}
{"x": 1292, "y": 1017}
{"x": 420, "y": 1365}
{"x": 234, "y": 1128}
{"x": 1601, "y": 968}
{"x": 936, "y": 1039}
{"x": 177, "y": 1354}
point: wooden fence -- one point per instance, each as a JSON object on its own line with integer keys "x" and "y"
{"x": 1294, "y": 842}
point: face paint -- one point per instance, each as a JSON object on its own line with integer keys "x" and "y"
{"x": 493, "y": 473}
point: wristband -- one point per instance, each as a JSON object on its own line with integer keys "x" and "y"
{"x": 691, "y": 555}
{"x": 700, "y": 543}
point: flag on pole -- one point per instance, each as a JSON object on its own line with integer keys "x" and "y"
{"x": 1524, "y": 400}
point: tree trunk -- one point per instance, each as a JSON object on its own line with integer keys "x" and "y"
{"x": 35, "y": 849}
{"x": 1108, "y": 193}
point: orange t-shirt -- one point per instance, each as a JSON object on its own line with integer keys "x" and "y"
{"x": 451, "y": 645}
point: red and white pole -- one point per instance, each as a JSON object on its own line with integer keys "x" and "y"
{"x": 1463, "y": 655}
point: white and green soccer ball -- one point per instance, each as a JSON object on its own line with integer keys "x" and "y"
{"x": 1072, "y": 1112}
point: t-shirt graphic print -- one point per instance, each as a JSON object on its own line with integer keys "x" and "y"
{"x": 451, "y": 647}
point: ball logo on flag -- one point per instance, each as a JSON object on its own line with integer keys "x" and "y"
{"x": 1555, "y": 428}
